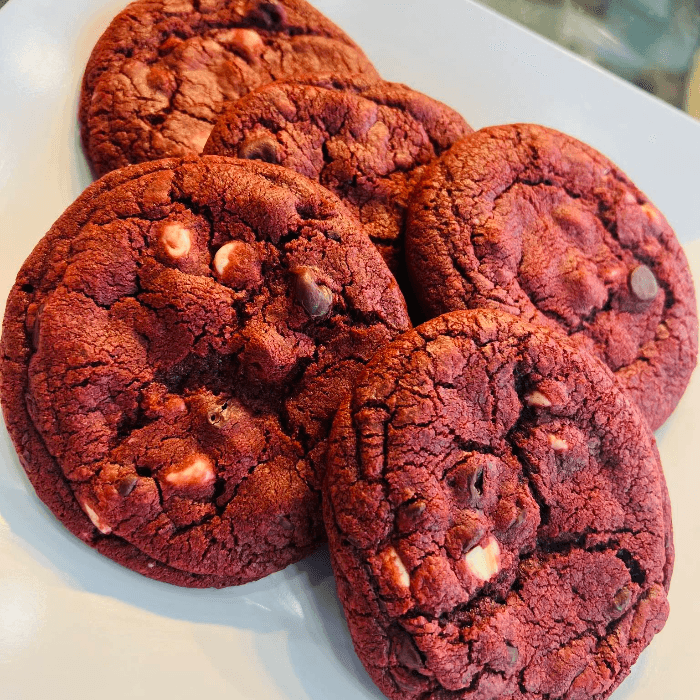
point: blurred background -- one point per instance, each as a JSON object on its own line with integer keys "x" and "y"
{"x": 652, "y": 43}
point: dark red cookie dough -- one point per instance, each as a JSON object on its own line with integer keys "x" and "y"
{"x": 159, "y": 75}
{"x": 534, "y": 222}
{"x": 495, "y": 509}
{"x": 173, "y": 353}
{"x": 366, "y": 141}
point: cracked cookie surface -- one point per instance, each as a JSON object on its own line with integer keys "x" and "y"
{"x": 366, "y": 141}
{"x": 538, "y": 224}
{"x": 173, "y": 352}
{"x": 160, "y": 74}
{"x": 497, "y": 516}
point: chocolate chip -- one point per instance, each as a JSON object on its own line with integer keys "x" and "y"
{"x": 127, "y": 485}
{"x": 407, "y": 653}
{"x": 467, "y": 480}
{"x": 263, "y": 148}
{"x": 285, "y": 523}
{"x": 269, "y": 15}
{"x": 643, "y": 283}
{"x": 316, "y": 299}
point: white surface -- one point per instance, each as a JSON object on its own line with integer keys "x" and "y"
{"x": 75, "y": 626}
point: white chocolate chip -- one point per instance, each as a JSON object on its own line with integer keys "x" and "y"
{"x": 393, "y": 561}
{"x": 224, "y": 257}
{"x": 96, "y": 520}
{"x": 662, "y": 332}
{"x": 198, "y": 137}
{"x": 177, "y": 6}
{"x": 176, "y": 405}
{"x": 237, "y": 264}
{"x": 484, "y": 562}
{"x": 246, "y": 40}
{"x": 176, "y": 240}
{"x": 199, "y": 472}
{"x": 537, "y": 398}
{"x": 558, "y": 444}
{"x": 652, "y": 213}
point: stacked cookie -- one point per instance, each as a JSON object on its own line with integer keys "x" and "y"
{"x": 538, "y": 224}
{"x": 498, "y": 520}
{"x": 202, "y": 345}
{"x": 159, "y": 76}
{"x": 174, "y": 351}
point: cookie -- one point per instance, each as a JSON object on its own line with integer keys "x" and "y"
{"x": 366, "y": 141}
{"x": 173, "y": 353}
{"x": 159, "y": 75}
{"x": 495, "y": 510}
{"x": 536, "y": 223}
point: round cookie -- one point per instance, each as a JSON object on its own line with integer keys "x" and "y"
{"x": 159, "y": 75}
{"x": 366, "y": 141}
{"x": 536, "y": 223}
{"x": 173, "y": 353}
{"x": 496, "y": 514}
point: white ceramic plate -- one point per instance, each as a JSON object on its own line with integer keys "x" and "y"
{"x": 74, "y": 625}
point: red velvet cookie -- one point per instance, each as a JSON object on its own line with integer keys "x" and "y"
{"x": 366, "y": 141}
{"x": 173, "y": 353}
{"x": 536, "y": 223}
{"x": 159, "y": 75}
{"x": 497, "y": 516}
